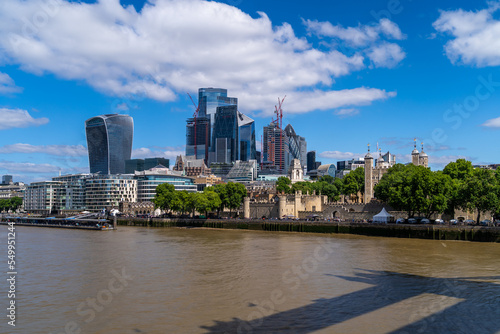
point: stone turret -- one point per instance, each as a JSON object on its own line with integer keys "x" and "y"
{"x": 423, "y": 158}
{"x": 415, "y": 157}
{"x": 368, "y": 177}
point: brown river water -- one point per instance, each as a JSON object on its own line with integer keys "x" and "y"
{"x": 171, "y": 280}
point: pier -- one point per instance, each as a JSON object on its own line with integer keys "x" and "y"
{"x": 70, "y": 223}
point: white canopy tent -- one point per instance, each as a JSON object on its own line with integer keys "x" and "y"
{"x": 383, "y": 217}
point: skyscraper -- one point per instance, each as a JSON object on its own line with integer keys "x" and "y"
{"x": 311, "y": 160}
{"x": 297, "y": 147}
{"x": 246, "y": 135}
{"x": 109, "y": 142}
{"x": 276, "y": 147}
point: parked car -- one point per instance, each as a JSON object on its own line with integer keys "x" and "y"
{"x": 439, "y": 221}
{"x": 412, "y": 221}
{"x": 400, "y": 221}
{"x": 469, "y": 222}
{"x": 453, "y": 222}
{"x": 485, "y": 222}
{"x": 424, "y": 221}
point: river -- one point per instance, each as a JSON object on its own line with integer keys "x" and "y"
{"x": 173, "y": 280}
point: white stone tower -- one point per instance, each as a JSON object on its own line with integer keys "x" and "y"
{"x": 414, "y": 154}
{"x": 423, "y": 158}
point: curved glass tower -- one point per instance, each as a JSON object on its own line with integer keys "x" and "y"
{"x": 109, "y": 142}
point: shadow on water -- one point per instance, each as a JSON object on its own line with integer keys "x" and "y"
{"x": 479, "y": 312}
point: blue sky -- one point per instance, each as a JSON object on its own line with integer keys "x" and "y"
{"x": 354, "y": 72}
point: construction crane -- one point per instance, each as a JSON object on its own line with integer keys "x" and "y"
{"x": 195, "y": 116}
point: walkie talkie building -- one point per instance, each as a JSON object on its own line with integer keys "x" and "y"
{"x": 109, "y": 142}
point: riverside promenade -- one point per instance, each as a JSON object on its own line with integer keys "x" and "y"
{"x": 434, "y": 232}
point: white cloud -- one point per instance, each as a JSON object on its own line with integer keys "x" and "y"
{"x": 7, "y": 85}
{"x": 337, "y": 155}
{"x": 386, "y": 55}
{"x": 346, "y": 112}
{"x": 57, "y": 150}
{"x": 165, "y": 152}
{"x": 27, "y": 167}
{"x": 17, "y": 118}
{"x": 173, "y": 46}
{"x": 492, "y": 123}
{"x": 367, "y": 39}
{"x": 359, "y": 36}
{"x": 475, "y": 36}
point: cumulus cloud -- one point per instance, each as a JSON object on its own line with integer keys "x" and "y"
{"x": 474, "y": 35}
{"x": 338, "y": 155}
{"x": 57, "y": 150}
{"x": 17, "y": 118}
{"x": 159, "y": 152}
{"x": 492, "y": 123}
{"x": 366, "y": 39}
{"x": 173, "y": 46}
{"x": 348, "y": 112}
{"x": 7, "y": 85}
{"x": 362, "y": 35}
{"x": 28, "y": 167}
{"x": 386, "y": 55}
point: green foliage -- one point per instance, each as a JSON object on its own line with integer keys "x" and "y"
{"x": 231, "y": 194}
{"x": 327, "y": 178}
{"x": 283, "y": 185}
{"x": 13, "y": 204}
{"x": 415, "y": 189}
{"x": 480, "y": 191}
{"x": 165, "y": 194}
{"x": 354, "y": 182}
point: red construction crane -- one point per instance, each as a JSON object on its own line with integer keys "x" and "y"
{"x": 195, "y": 116}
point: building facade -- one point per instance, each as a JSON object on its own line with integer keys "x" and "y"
{"x": 107, "y": 191}
{"x": 71, "y": 194}
{"x": 109, "y": 142}
{"x": 43, "y": 197}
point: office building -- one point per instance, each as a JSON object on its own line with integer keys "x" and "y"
{"x": 276, "y": 148}
{"x": 43, "y": 197}
{"x": 311, "y": 160}
{"x": 297, "y": 146}
{"x": 7, "y": 179}
{"x": 107, "y": 191}
{"x": 246, "y": 136}
{"x": 109, "y": 142}
{"x": 140, "y": 165}
{"x": 198, "y": 135}
{"x": 148, "y": 180}
{"x": 71, "y": 193}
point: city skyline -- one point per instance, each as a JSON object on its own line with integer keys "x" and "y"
{"x": 354, "y": 73}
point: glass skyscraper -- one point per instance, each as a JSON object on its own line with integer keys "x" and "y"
{"x": 109, "y": 142}
{"x": 246, "y": 128}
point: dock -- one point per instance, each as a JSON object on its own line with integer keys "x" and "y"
{"x": 52, "y": 222}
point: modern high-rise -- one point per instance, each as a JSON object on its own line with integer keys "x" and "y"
{"x": 311, "y": 160}
{"x": 198, "y": 135}
{"x": 246, "y": 136}
{"x": 226, "y": 134}
{"x": 109, "y": 142}
{"x": 297, "y": 146}
{"x": 276, "y": 147}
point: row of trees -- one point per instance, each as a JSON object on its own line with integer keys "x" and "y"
{"x": 229, "y": 195}
{"x": 11, "y": 204}
{"x": 459, "y": 185}
{"x": 352, "y": 184}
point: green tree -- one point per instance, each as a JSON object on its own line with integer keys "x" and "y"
{"x": 327, "y": 178}
{"x": 181, "y": 202}
{"x": 480, "y": 191}
{"x": 214, "y": 202}
{"x": 15, "y": 203}
{"x": 231, "y": 195}
{"x": 165, "y": 194}
{"x": 283, "y": 185}
{"x": 459, "y": 171}
{"x": 415, "y": 189}
{"x": 354, "y": 182}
